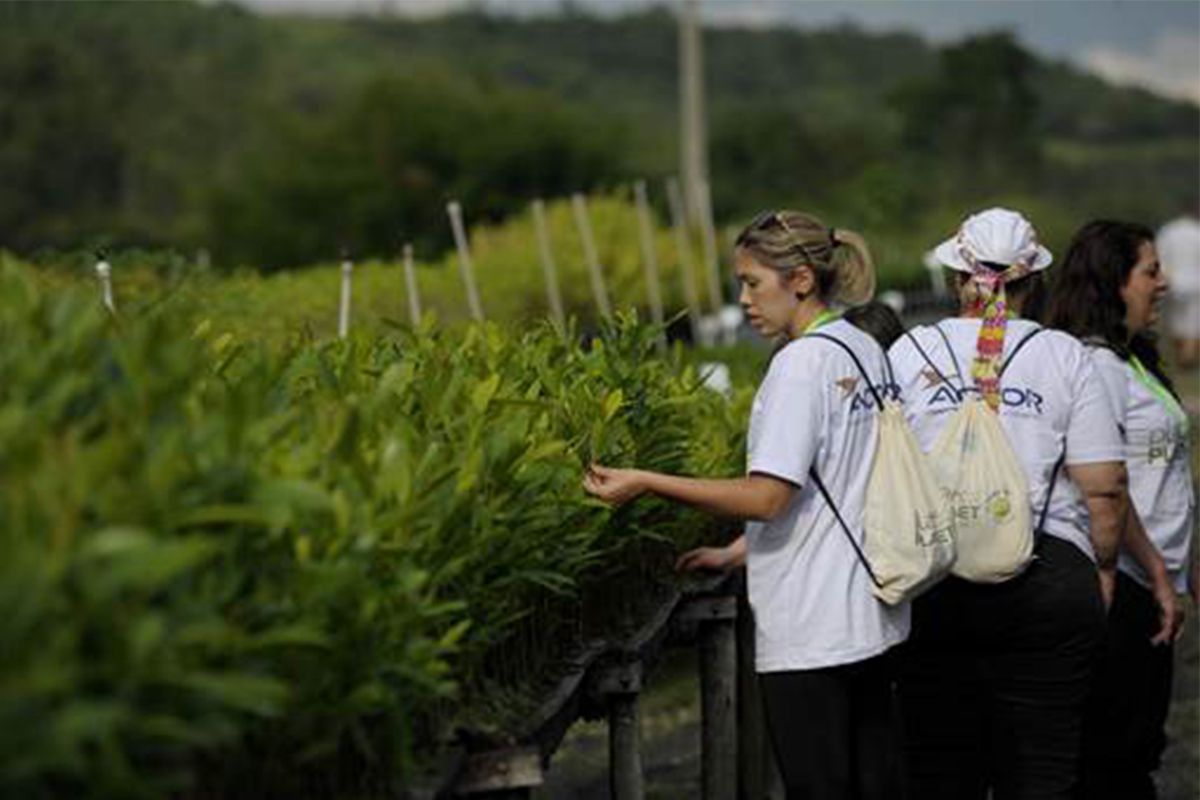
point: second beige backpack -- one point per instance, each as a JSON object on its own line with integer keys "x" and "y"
{"x": 983, "y": 486}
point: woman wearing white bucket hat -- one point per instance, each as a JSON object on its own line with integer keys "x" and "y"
{"x": 993, "y": 680}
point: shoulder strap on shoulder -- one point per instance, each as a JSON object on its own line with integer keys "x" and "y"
{"x": 854, "y": 358}
{"x": 950, "y": 352}
{"x": 1017, "y": 349}
{"x": 928, "y": 360}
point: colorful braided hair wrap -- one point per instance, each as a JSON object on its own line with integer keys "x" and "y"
{"x": 989, "y": 348}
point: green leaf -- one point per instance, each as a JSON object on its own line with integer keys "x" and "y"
{"x": 612, "y": 404}
{"x": 254, "y": 694}
{"x": 484, "y": 391}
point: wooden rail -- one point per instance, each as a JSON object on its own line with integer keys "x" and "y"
{"x": 606, "y": 680}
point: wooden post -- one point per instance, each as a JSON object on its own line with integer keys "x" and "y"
{"x": 620, "y": 685}
{"x": 712, "y": 259}
{"x": 410, "y": 282}
{"x": 344, "y": 304}
{"x": 553, "y": 295}
{"x": 579, "y": 205}
{"x": 104, "y": 273}
{"x": 683, "y": 251}
{"x": 464, "y": 259}
{"x": 650, "y": 262}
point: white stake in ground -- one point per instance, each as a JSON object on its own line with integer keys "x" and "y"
{"x": 464, "y": 259}
{"x": 410, "y": 282}
{"x": 709, "y": 241}
{"x": 104, "y": 273}
{"x": 683, "y": 250}
{"x": 553, "y": 295}
{"x": 344, "y": 304}
{"x": 579, "y": 205}
{"x": 649, "y": 261}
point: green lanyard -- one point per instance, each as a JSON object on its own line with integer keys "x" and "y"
{"x": 826, "y": 316}
{"x": 1147, "y": 379}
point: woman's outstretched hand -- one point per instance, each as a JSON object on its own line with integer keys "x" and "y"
{"x": 706, "y": 559}
{"x": 714, "y": 559}
{"x": 614, "y": 486}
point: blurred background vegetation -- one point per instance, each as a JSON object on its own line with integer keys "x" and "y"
{"x": 276, "y": 141}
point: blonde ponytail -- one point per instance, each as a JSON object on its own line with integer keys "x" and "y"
{"x": 854, "y": 267}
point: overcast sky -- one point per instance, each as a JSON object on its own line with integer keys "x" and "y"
{"x": 1151, "y": 43}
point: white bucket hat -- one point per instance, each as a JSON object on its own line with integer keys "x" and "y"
{"x": 997, "y": 235}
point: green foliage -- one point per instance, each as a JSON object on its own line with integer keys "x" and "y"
{"x": 246, "y": 571}
{"x": 979, "y": 110}
{"x": 380, "y": 170}
{"x": 508, "y": 272}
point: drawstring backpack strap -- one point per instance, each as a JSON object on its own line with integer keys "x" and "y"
{"x": 950, "y": 352}
{"x": 941, "y": 375}
{"x": 1017, "y": 349}
{"x": 862, "y": 558}
{"x": 816, "y": 478}
{"x": 1050, "y": 491}
{"x": 862, "y": 371}
{"x": 949, "y": 349}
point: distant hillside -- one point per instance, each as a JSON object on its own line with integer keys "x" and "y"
{"x": 277, "y": 140}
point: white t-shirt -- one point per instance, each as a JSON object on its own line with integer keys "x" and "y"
{"x": 811, "y": 595}
{"x": 1051, "y": 397}
{"x": 1156, "y": 455}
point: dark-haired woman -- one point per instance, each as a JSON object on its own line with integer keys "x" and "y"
{"x": 1108, "y": 294}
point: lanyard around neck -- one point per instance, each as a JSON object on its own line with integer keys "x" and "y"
{"x": 1152, "y": 383}
{"x": 825, "y": 317}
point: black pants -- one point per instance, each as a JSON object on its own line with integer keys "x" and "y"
{"x": 1123, "y": 729}
{"x": 833, "y": 730}
{"x": 993, "y": 681}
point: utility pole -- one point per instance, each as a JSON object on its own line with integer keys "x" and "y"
{"x": 693, "y": 145}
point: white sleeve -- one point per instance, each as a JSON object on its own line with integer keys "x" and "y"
{"x": 1092, "y": 433}
{"x": 1114, "y": 375}
{"x": 901, "y": 355}
{"x": 792, "y": 414}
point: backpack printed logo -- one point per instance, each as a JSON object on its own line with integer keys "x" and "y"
{"x": 932, "y": 529}
{"x": 969, "y": 508}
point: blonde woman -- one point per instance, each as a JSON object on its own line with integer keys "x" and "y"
{"x": 821, "y": 637}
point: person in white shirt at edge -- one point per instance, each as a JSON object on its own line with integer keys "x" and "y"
{"x": 1178, "y": 244}
{"x": 821, "y": 636}
{"x": 993, "y": 679}
{"x": 1108, "y": 293}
